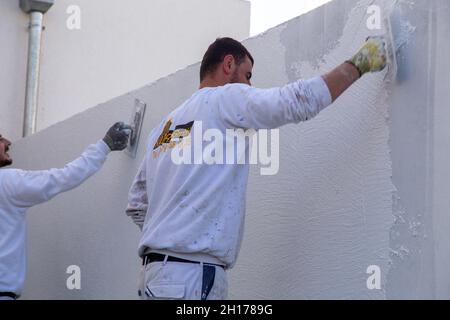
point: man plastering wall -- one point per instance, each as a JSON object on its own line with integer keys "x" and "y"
{"x": 192, "y": 215}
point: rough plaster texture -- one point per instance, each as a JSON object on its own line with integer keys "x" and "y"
{"x": 121, "y": 46}
{"x": 365, "y": 183}
{"x": 323, "y": 219}
{"x": 420, "y": 136}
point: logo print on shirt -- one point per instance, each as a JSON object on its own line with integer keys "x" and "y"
{"x": 170, "y": 138}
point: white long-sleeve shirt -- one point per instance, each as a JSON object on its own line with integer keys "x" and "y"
{"x": 20, "y": 190}
{"x": 200, "y": 208}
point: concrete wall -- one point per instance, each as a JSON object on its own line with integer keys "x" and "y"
{"x": 365, "y": 183}
{"x": 121, "y": 46}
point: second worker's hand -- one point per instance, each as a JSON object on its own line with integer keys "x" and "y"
{"x": 117, "y": 136}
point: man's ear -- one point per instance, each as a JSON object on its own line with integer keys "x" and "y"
{"x": 228, "y": 64}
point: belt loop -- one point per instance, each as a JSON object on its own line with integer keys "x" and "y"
{"x": 165, "y": 259}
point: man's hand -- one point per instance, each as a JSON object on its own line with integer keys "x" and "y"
{"x": 371, "y": 57}
{"x": 117, "y": 136}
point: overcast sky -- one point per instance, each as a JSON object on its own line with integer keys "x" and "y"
{"x": 269, "y": 13}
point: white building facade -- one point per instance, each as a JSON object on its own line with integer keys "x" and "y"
{"x": 93, "y": 51}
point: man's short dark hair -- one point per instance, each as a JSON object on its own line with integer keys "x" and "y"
{"x": 217, "y": 52}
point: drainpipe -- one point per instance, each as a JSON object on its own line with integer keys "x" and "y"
{"x": 36, "y": 9}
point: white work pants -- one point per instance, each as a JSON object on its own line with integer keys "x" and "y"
{"x": 183, "y": 281}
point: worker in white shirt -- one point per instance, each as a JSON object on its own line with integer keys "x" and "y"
{"x": 20, "y": 190}
{"x": 192, "y": 215}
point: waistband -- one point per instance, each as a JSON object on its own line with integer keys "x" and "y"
{"x": 9, "y": 295}
{"x": 157, "y": 257}
{"x": 200, "y": 257}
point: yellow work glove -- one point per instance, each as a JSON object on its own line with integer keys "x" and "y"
{"x": 371, "y": 57}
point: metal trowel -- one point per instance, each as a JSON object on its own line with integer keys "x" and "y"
{"x": 136, "y": 122}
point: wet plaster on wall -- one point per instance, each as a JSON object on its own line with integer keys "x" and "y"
{"x": 325, "y": 26}
{"x": 313, "y": 229}
{"x": 419, "y": 133}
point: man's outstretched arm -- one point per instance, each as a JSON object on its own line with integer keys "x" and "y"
{"x": 371, "y": 57}
{"x": 243, "y": 106}
{"x": 340, "y": 79}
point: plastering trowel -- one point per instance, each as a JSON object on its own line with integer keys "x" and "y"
{"x": 391, "y": 47}
{"x": 137, "y": 119}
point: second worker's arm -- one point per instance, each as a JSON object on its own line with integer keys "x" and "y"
{"x": 29, "y": 188}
